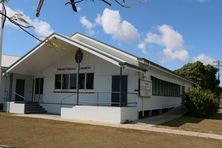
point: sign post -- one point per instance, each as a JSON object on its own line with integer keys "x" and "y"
{"x": 78, "y": 58}
{"x": 145, "y": 90}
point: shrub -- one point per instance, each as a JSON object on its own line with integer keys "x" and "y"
{"x": 201, "y": 103}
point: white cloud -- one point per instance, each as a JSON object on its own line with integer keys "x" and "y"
{"x": 86, "y": 23}
{"x": 204, "y": 59}
{"x": 171, "y": 40}
{"x": 142, "y": 46}
{"x": 41, "y": 28}
{"x": 113, "y": 24}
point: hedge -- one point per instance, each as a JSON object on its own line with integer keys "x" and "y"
{"x": 201, "y": 103}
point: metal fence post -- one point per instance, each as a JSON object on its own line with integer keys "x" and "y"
{"x": 97, "y": 99}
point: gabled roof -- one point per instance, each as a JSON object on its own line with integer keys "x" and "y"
{"x": 102, "y": 50}
{"x": 100, "y": 53}
{"x": 131, "y": 57}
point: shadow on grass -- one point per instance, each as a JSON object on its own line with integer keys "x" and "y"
{"x": 188, "y": 119}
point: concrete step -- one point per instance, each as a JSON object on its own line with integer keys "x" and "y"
{"x": 35, "y": 112}
{"x": 40, "y": 108}
{"x": 34, "y": 108}
{"x": 28, "y": 107}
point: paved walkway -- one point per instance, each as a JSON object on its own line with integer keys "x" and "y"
{"x": 137, "y": 126}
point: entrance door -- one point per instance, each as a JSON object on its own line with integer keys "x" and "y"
{"x": 20, "y": 90}
{"x": 39, "y": 83}
{"x": 119, "y": 97}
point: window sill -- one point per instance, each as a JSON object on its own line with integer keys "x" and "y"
{"x": 74, "y": 91}
{"x": 165, "y": 96}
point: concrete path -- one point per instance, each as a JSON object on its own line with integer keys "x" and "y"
{"x": 136, "y": 126}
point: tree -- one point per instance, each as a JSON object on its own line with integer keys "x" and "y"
{"x": 201, "y": 103}
{"x": 204, "y": 75}
{"x": 73, "y": 3}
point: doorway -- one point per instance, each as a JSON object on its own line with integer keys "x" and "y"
{"x": 39, "y": 83}
{"x": 20, "y": 90}
{"x": 119, "y": 90}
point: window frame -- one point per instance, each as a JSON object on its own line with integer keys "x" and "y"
{"x": 70, "y": 81}
{"x": 73, "y": 90}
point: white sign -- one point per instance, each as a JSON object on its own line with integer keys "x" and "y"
{"x": 145, "y": 88}
{"x": 82, "y": 68}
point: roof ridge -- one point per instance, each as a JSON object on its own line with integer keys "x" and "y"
{"x": 106, "y": 44}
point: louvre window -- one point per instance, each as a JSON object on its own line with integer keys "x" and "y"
{"x": 164, "y": 88}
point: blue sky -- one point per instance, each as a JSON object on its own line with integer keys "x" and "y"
{"x": 168, "y": 32}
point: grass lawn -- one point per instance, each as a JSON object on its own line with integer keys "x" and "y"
{"x": 211, "y": 125}
{"x": 29, "y": 132}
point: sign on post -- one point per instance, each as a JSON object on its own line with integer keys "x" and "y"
{"x": 145, "y": 88}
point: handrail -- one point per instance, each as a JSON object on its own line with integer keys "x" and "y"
{"x": 64, "y": 98}
{"x": 19, "y": 95}
{"x": 97, "y": 98}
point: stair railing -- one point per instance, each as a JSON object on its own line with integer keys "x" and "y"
{"x": 19, "y": 96}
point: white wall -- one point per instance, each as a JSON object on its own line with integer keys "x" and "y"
{"x": 13, "y": 107}
{"x": 99, "y": 113}
{"x": 158, "y": 102}
{"x": 103, "y": 72}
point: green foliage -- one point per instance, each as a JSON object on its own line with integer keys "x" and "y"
{"x": 54, "y": 44}
{"x": 201, "y": 103}
{"x": 4, "y": 1}
{"x": 204, "y": 75}
{"x": 20, "y": 18}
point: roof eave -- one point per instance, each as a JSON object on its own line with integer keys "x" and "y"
{"x": 165, "y": 69}
{"x": 137, "y": 68}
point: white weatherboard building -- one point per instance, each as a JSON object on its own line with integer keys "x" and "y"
{"x": 114, "y": 86}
